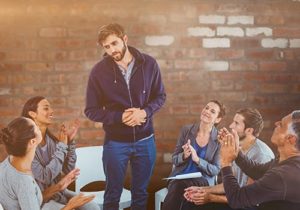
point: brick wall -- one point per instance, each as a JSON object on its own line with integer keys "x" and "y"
{"x": 244, "y": 53}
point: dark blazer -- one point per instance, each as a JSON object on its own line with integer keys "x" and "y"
{"x": 210, "y": 166}
{"x": 107, "y": 96}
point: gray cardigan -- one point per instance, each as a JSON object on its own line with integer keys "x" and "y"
{"x": 62, "y": 158}
{"x": 210, "y": 166}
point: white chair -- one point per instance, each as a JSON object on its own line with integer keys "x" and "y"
{"x": 1, "y": 208}
{"x": 89, "y": 161}
{"x": 160, "y": 197}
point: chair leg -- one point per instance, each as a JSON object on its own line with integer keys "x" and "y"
{"x": 157, "y": 202}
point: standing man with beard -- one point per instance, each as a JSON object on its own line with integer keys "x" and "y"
{"x": 124, "y": 90}
{"x": 248, "y": 123}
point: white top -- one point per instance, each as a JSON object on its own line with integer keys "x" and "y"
{"x": 259, "y": 152}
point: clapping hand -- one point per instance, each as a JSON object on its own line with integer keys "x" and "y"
{"x": 77, "y": 201}
{"x": 72, "y": 129}
{"x": 63, "y": 134}
{"x": 229, "y": 148}
{"x": 68, "y": 179}
{"x": 186, "y": 150}
{"x": 195, "y": 157}
{"x": 222, "y": 134}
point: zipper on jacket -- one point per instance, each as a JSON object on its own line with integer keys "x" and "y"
{"x": 128, "y": 88}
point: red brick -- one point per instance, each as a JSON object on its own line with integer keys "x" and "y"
{"x": 9, "y": 43}
{"x": 259, "y": 99}
{"x": 272, "y": 111}
{"x": 165, "y": 64}
{"x": 83, "y": 32}
{"x": 43, "y": 90}
{"x": 22, "y": 79}
{"x": 53, "y": 32}
{"x": 179, "y": 109}
{"x": 5, "y": 101}
{"x": 76, "y": 101}
{"x": 57, "y": 101}
{"x": 231, "y": 97}
{"x": 191, "y": 97}
{"x": 75, "y": 77}
{"x": 188, "y": 64}
{"x": 200, "y": 53}
{"x": 297, "y": 53}
{"x": 21, "y": 56}
{"x": 8, "y": 112}
{"x": 243, "y": 66}
{"x": 83, "y": 54}
{"x": 165, "y": 146}
{"x": 270, "y": 20}
{"x": 11, "y": 67}
{"x": 231, "y": 8}
{"x": 245, "y": 43}
{"x": 53, "y": 56}
{"x": 222, "y": 85}
{"x": 229, "y": 54}
{"x": 39, "y": 67}
{"x": 260, "y": 77}
{"x": 146, "y": 29}
{"x": 66, "y": 112}
{"x": 205, "y": 7}
{"x": 273, "y": 88}
{"x": 289, "y": 54}
{"x": 245, "y": 86}
{"x": 260, "y": 54}
{"x": 177, "y": 76}
{"x": 286, "y": 32}
{"x": 272, "y": 66}
{"x": 174, "y": 53}
{"x": 4, "y": 79}
{"x": 86, "y": 123}
{"x": 190, "y": 42}
{"x": 285, "y": 77}
{"x": 68, "y": 66}
{"x": 2, "y": 55}
{"x": 197, "y": 108}
{"x": 56, "y": 79}
{"x": 91, "y": 134}
{"x": 296, "y": 89}
{"x": 292, "y": 20}
{"x": 231, "y": 75}
{"x": 68, "y": 44}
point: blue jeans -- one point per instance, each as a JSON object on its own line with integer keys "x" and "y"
{"x": 141, "y": 155}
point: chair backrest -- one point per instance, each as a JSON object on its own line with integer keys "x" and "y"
{"x": 1, "y": 208}
{"x": 89, "y": 161}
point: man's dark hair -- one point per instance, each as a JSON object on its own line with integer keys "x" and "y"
{"x": 110, "y": 29}
{"x": 252, "y": 119}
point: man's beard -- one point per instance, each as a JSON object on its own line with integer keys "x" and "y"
{"x": 242, "y": 136}
{"x": 122, "y": 53}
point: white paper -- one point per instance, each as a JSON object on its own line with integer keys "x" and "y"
{"x": 186, "y": 176}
